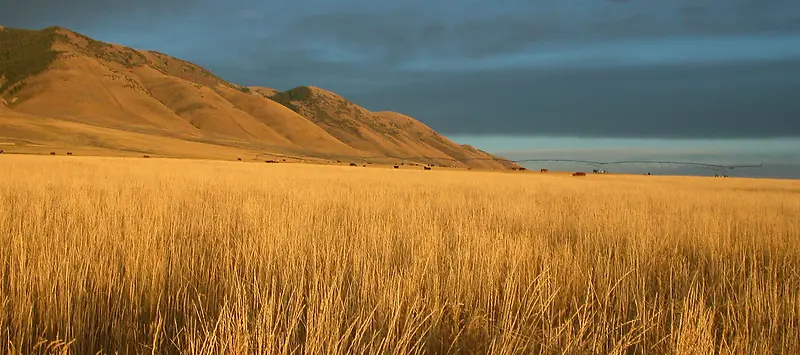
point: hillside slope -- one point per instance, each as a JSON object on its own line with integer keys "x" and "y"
{"x": 70, "y": 82}
{"x": 386, "y": 133}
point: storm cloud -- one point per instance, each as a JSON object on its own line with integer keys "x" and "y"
{"x": 712, "y": 100}
{"x": 606, "y": 68}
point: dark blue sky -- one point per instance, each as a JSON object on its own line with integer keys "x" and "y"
{"x": 607, "y": 68}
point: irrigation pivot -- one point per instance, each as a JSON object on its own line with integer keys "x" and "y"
{"x": 721, "y": 169}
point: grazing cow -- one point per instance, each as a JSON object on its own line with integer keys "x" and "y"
{"x": 239, "y": 159}
{"x": 396, "y": 167}
{"x": 595, "y": 171}
{"x": 469, "y": 168}
{"x": 52, "y": 153}
{"x": 1, "y": 151}
{"x": 146, "y": 156}
{"x": 69, "y": 153}
{"x": 270, "y": 161}
{"x": 580, "y": 173}
{"x": 544, "y": 170}
{"x": 426, "y": 167}
{"x": 353, "y": 164}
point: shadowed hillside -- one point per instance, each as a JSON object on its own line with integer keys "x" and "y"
{"x": 62, "y": 75}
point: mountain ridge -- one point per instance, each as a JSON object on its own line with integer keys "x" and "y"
{"x": 59, "y": 74}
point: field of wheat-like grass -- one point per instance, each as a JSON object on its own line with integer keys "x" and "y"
{"x": 199, "y": 257}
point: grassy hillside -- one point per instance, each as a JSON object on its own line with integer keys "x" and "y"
{"x": 386, "y": 133}
{"x": 197, "y": 257}
{"x": 64, "y": 75}
{"x": 24, "y": 53}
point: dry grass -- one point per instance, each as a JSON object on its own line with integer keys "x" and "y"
{"x": 139, "y": 256}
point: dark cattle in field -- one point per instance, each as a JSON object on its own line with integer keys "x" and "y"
{"x": 52, "y": 153}
{"x": 270, "y": 161}
{"x": 396, "y": 167}
{"x": 426, "y": 167}
{"x": 69, "y": 153}
{"x": 353, "y": 164}
{"x": 544, "y": 170}
{"x": 239, "y": 159}
{"x": 146, "y": 156}
{"x": 1, "y": 151}
{"x": 469, "y": 168}
{"x": 579, "y": 174}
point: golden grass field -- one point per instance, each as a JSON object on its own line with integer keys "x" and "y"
{"x": 134, "y": 255}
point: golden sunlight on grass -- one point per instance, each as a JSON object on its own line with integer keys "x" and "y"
{"x": 200, "y": 257}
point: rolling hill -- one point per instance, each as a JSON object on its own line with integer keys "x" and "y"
{"x": 62, "y": 89}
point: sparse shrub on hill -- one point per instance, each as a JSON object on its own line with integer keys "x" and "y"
{"x": 24, "y": 53}
{"x": 125, "y": 56}
{"x": 94, "y": 46}
{"x": 285, "y": 98}
{"x": 316, "y": 110}
{"x": 186, "y": 70}
{"x": 16, "y": 88}
{"x": 242, "y": 88}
